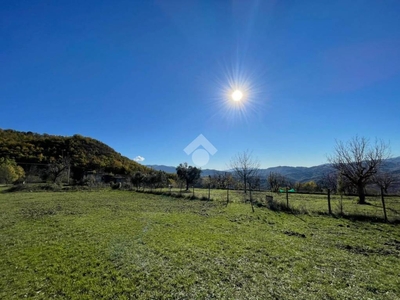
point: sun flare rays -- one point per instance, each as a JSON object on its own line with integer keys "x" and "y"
{"x": 239, "y": 96}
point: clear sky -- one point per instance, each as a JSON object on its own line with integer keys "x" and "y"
{"x": 148, "y": 77}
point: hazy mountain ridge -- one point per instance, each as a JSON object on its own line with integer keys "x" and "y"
{"x": 170, "y": 169}
{"x": 296, "y": 174}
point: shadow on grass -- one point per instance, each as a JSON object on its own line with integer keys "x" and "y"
{"x": 366, "y": 218}
{"x": 275, "y": 205}
{"x": 33, "y": 188}
{"x": 51, "y": 187}
{"x": 360, "y": 217}
{"x": 279, "y": 206}
{"x": 182, "y": 195}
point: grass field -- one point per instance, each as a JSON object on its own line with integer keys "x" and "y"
{"x": 127, "y": 245}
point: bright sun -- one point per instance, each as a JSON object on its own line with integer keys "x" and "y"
{"x": 237, "y": 95}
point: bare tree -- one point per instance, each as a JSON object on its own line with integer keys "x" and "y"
{"x": 244, "y": 166}
{"x": 276, "y": 181}
{"x": 358, "y": 161}
{"x": 252, "y": 182}
{"x": 384, "y": 180}
{"x": 329, "y": 181}
{"x": 228, "y": 181}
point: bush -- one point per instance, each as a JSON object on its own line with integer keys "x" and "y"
{"x": 54, "y": 187}
{"x": 35, "y": 187}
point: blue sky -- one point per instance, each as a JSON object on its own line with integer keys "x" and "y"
{"x": 148, "y": 77}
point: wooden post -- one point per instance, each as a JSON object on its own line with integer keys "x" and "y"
{"x": 227, "y": 194}
{"x": 227, "y": 189}
{"x": 287, "y": 196}
{"x": 193, "y": 192}
{"x": 329, "y": 202}
{"x": 251, "y": 199}
{"x": 268, "y": 200}
{"x": 209, "y": 186}
{"x": 383, "y": 205}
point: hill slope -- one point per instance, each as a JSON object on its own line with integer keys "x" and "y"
{"x": 28, "y": 149}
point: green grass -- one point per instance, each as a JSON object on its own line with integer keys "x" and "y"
{"x": 127, "y": 245}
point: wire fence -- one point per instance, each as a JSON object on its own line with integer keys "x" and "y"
{"x": 346, "y": 206}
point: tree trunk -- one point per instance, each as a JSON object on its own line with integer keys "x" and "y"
{"x": 361, "y": 194}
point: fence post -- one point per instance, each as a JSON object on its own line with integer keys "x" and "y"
{"x": 268, "y": 200}
{"x": 227, "y": 188}
{"x": 251, "y": 199}
{"x": 329, "y": 202}
{"x": 383, "y": 205}
{"x": 287, "y": 196}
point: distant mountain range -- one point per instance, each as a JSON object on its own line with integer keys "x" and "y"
{"x": 296, "y": 174}
{"x": 169, "y": 169}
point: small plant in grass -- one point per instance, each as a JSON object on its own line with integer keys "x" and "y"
{"x": 340, "y": 204}
{"x": 340, "y": 189}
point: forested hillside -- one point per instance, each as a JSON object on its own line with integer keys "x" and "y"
{"x": 84, "y": 154}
